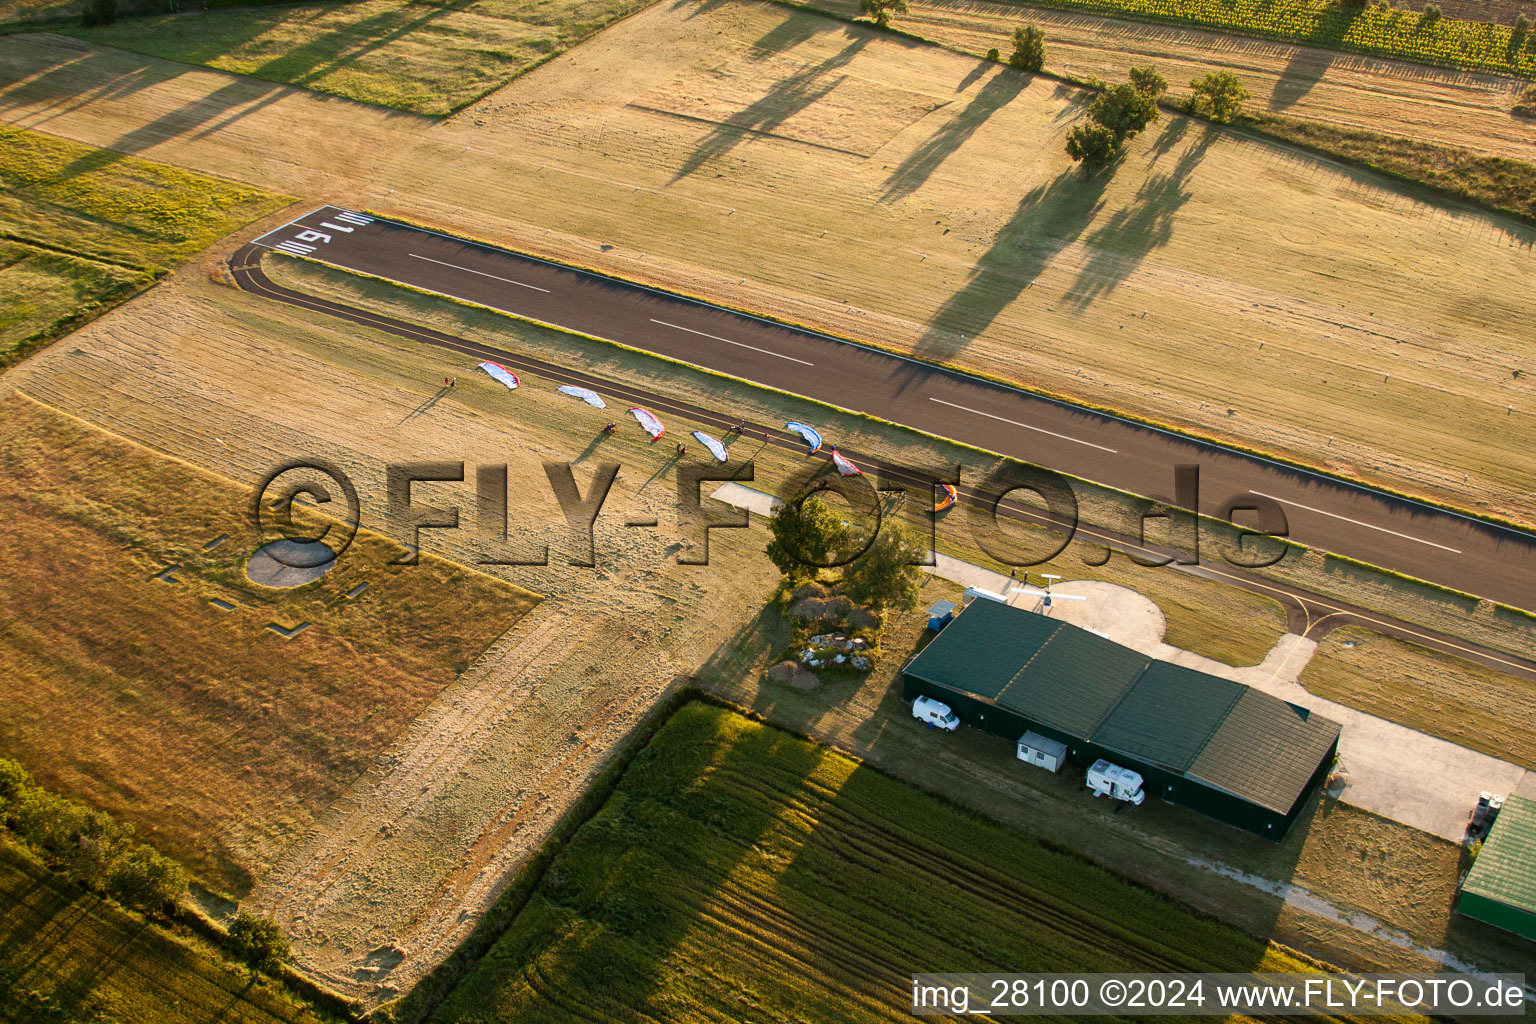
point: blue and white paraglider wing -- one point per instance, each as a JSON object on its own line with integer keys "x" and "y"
{"x": 585, "y": 394}
{"x": 648, "y": 420}
{"x": 715, "y": 447}
{"x": 845, "y": 467}
{"x": 502, "y": 374}
{"x": 808, "y": 434}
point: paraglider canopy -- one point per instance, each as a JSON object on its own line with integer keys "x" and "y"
{"x": 648, "y": 420}
{"x": 807, "y": 434}
{"x": 715, "y": 447}
{"x": 950, "y": 496}
{"x": 585, "y": 394}
{"x": 502, "y": 374}
{"x": 845, "y": 467}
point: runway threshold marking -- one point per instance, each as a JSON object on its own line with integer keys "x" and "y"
{"x": 728, "y": 341}
{"x": 1026, "y": 426}
{"x": 1368, "y": 526}
{"x": 467, "y": 270}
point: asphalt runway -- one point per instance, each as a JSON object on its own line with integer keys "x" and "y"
{"x": 1419, "y": 540}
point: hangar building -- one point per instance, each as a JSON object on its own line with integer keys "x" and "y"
{"x": 1501, "y": 887}
{"x": 1218, "y": 747}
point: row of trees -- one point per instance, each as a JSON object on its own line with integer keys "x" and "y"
{"x": 1115, "y": 115}
{"x": 86, "y": 845}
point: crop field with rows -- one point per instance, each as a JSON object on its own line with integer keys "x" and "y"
{"x": 1383, "y": 31}
{"x": 741, "y": 873}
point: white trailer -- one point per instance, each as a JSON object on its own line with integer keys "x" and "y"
{"x": 1038, "y": 750}
{"x": 936, "y": 714}
{"x": 1113, "y": 781}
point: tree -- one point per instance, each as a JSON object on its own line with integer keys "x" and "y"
{"x": 257, "y": 942}
{"x": 994, "y": 54}
{"x": 1028, "y": 48}
{"x": 881, "y": 10}
{"x": 1148, "y": 82}
{"x": 884, "y": 575}
{"x": 804, "y": 535}
{"x": 1221, "y": 93}
{"x": 1124, "y": 110}
{"x": 145, "y": 880}
{"x": 1430, "y": 16}
{"x": 1093, "y": 145}
{"x": 99, "y": 12}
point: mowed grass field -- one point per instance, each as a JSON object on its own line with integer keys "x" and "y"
{"x": 69, "y": 956}
{"x": 741, "y": 873}
{"x": 965, "y": 236}
{"x": 83, "y": 228}
{"x": 217, "y": 737}
{"x": 1460, "y": 701}
{"x": 425, "y": 56}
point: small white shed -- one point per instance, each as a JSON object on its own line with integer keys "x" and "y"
{"x": 1039, "y": 750}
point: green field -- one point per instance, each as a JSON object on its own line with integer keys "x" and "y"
{"x": 67, "y": 956}
{"x": 426, "y": 56}
{"x": 81, "y": 229}
{"x": 740, "y": 873}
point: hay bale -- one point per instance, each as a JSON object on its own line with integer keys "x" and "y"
{"x": 864, "y": 618}
{"x": 804, "y": 680}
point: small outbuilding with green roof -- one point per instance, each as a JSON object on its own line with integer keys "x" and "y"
{"x": 1500, "y": 889}
{"x": 1217, "y": 746}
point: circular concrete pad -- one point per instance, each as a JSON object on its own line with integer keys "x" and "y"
{"x": 1126, "y": 616}
{"x": 284, "y": 564}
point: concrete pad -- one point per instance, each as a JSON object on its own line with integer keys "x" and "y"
{"x": 285, "y": 564}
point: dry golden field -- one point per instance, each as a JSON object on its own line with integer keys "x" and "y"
{"x": 964, "y": 237}
{"x": 103, "y": 659}
{"x": 1441, "y": 105}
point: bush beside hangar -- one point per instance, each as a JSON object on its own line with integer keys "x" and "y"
{"x": 1218, "y": 747}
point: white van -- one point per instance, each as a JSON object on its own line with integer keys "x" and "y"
{"x": 926, "y": 709}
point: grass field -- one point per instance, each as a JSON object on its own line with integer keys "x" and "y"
{"x": 740, "y": 873}
{"x": 1224, "y": 241}
{"x": 253, "y": 735}
{"x": 67, "y": 956}
{"x": 425, "y": 56}
{"x": 1312, "y": 84}
{"x": 82, "y": 228}
{"x": 1456, "y": 700}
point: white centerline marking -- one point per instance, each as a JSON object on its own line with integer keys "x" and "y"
{"x": 728, "y": 341}
{"x": 1026, "y": 426}
{"x": 1368, "y": 526}
{"x": 482, "y": 273}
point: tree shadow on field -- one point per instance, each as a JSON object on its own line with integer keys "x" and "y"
{"x": 1047, "y": 220}
{"x": 1305, "y": 68}
{"x": 999, "y": 90}
{"x": 783, "y": 100}
{"x": 786, "y": 35}
{"x": 1118, "y": 246}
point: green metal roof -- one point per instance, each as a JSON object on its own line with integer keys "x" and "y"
{"x": 1265, "y": 750}
{"x": 1505, "y": 869}
{"x": 1214, "y": 731}
{"x": 1073, "y": 681}
{"x": 981, "y": 650}
{"x": 1169, "y": 714}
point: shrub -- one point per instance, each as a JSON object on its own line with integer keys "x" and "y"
{"x": 1526, "y": 105}
{"x": 1028, "y": 48}
{"x": 99, "y": 12}
{"x": 1430, "y": 16}
{"x": 994, "y": 54}
{"x": 881, "y": 10}
{"x": 257, "y": 942}
{"x": 1219, "y": 94}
